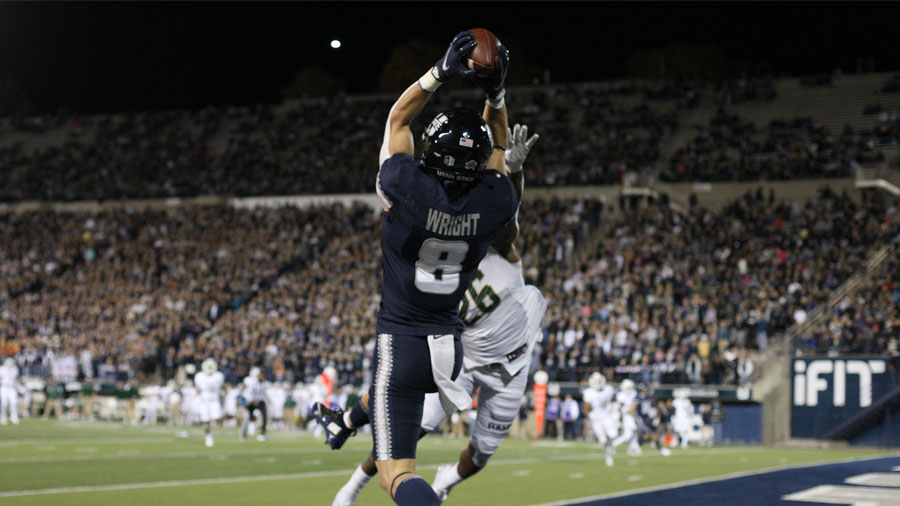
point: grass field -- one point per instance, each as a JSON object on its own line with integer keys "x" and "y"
{"x": 80, "y": 463}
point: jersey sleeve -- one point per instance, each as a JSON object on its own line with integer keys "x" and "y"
{"x": 397, "y": 179}
{"x": 505, "y": 198}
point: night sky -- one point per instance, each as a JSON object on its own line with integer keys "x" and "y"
{"x": 121, "y": 56}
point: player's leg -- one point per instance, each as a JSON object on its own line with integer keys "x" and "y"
{"x": 248, "y": 419}
{"x": 499, "y": 399}
{"x": 396, "y": 404}
{"x": 433, "y": 415}
{"x": 627, "y": 434}
{"x": 264, "y": 415}
{"x": 4, "y": 405}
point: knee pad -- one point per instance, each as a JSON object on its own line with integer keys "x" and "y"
{"x": 485, "y": 447}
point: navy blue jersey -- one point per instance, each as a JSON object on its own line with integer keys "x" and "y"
{"x": 431, "y": 245}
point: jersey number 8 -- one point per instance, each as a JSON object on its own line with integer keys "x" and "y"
{"x": 439, "y": 265}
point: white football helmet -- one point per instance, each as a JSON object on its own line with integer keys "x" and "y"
{"x": 190, "y": 368}
{"x": 627, "y": 385}
{"x": 209, "y": 366}
{"x": 597, "y": 381}
{"x": 254, "y": 371}
{"x": 9, "y": 362}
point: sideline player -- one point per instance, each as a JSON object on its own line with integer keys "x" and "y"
{"x": 502, "y": 317}
{"x": 599, "y": 398}
{"x": 255, "y": 396}
{"x": 442, "y": 212}
{"x": 9, "y": 396}
{"x": 209, "y": 382}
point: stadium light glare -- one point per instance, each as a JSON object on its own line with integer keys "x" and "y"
{"x": 335, "y": 44}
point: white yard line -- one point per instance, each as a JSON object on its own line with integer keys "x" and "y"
{"x": 264, "y": 477}
{"x": 346, "y": 472}
{"x": 149, "y": 456}
{"x": 700, "y": 481}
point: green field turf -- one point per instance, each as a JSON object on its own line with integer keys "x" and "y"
{"x": 109, "y": 463}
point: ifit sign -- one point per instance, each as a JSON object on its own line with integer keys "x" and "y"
{"x": 827, "y": 391}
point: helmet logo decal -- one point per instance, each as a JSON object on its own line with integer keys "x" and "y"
{"x": 471, "y": 165}
{"x": 436, "y": 123}
{"x": 449, "y": 161}
{"x": 467, "y": 142}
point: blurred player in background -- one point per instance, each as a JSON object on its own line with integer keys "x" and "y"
{"x": 683, "y": 419}
{"x": 626, "y": 400}
{"x": 152, "y": 400}
{"x": 599, "y": 400}
{"x": 502, "y": 317}
{"x": 647, "y": 418}
{"x": 230, "y": 405}
{"x": 442, "y": 212}
{"x": 255, "y": 396}
{"x": 9, "y": 395}
{"x": 209, "y": 383}
{"x": 276, "y": 396}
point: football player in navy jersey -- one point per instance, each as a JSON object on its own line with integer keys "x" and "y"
{"x": 442, "y": 211}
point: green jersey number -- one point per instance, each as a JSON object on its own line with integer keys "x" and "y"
{"x": 485, "y": 301}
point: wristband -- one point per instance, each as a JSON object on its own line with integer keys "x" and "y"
{"x": 428, "y": 82}
{"x": 499, "y": 102}
{"x": 501, "y": 148}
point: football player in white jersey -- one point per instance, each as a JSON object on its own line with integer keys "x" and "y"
{"x": 9, "y": 396}
{"x": 502, "y": 318}
{"x": 599, "y": 398}
{"x": 255, "y": 395}
{"x": 683, "y": 419}
{"x": 152, "y": 401}
{"x": 275, "y": 398}
{"x": 209, "y": 382}
{"x": 230, "y": 405}
{"x": 626, "y": 399}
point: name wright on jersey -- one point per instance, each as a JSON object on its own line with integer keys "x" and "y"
{"x": 446, "y": 224}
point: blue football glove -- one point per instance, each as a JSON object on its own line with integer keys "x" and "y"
{"x": 452, "y": 65}
{"x": 493, "y": 84}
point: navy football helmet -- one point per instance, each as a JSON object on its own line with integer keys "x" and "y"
{"x": 458, "y": 144}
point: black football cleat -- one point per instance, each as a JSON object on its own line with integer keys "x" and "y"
{"x": 332, "y": 421}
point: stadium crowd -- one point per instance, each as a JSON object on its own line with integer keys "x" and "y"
{"x": 664, "y": 298}
{"x": 126, "y": 295}
{"x": 678, "y": 299}
{"x": 295, "y": 148}
{"x": 147, "y": 292}
{"x": 734, "y": 150}
{"x": 863, "y": 323}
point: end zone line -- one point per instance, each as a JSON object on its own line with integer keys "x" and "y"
{"x": 712, "y": 479}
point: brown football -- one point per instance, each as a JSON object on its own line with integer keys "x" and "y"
{"x": 487, "y": 48}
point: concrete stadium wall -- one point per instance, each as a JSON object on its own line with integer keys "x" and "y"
{"x": 712, "y": 195}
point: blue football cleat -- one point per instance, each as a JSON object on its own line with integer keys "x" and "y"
{"x": 332, "y": 420}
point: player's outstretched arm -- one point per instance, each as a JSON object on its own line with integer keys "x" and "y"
{"x": 519, "y": 145}
{"x": 398, "y": 136}
{"x": 495, "y": 115}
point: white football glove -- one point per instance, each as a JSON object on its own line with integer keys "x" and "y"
{"x": 518, "y": 146}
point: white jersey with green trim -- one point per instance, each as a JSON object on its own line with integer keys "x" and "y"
{"x": 502, "y": 315}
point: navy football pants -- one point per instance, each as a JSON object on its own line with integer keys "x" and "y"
{"x": 401, "y": 376}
